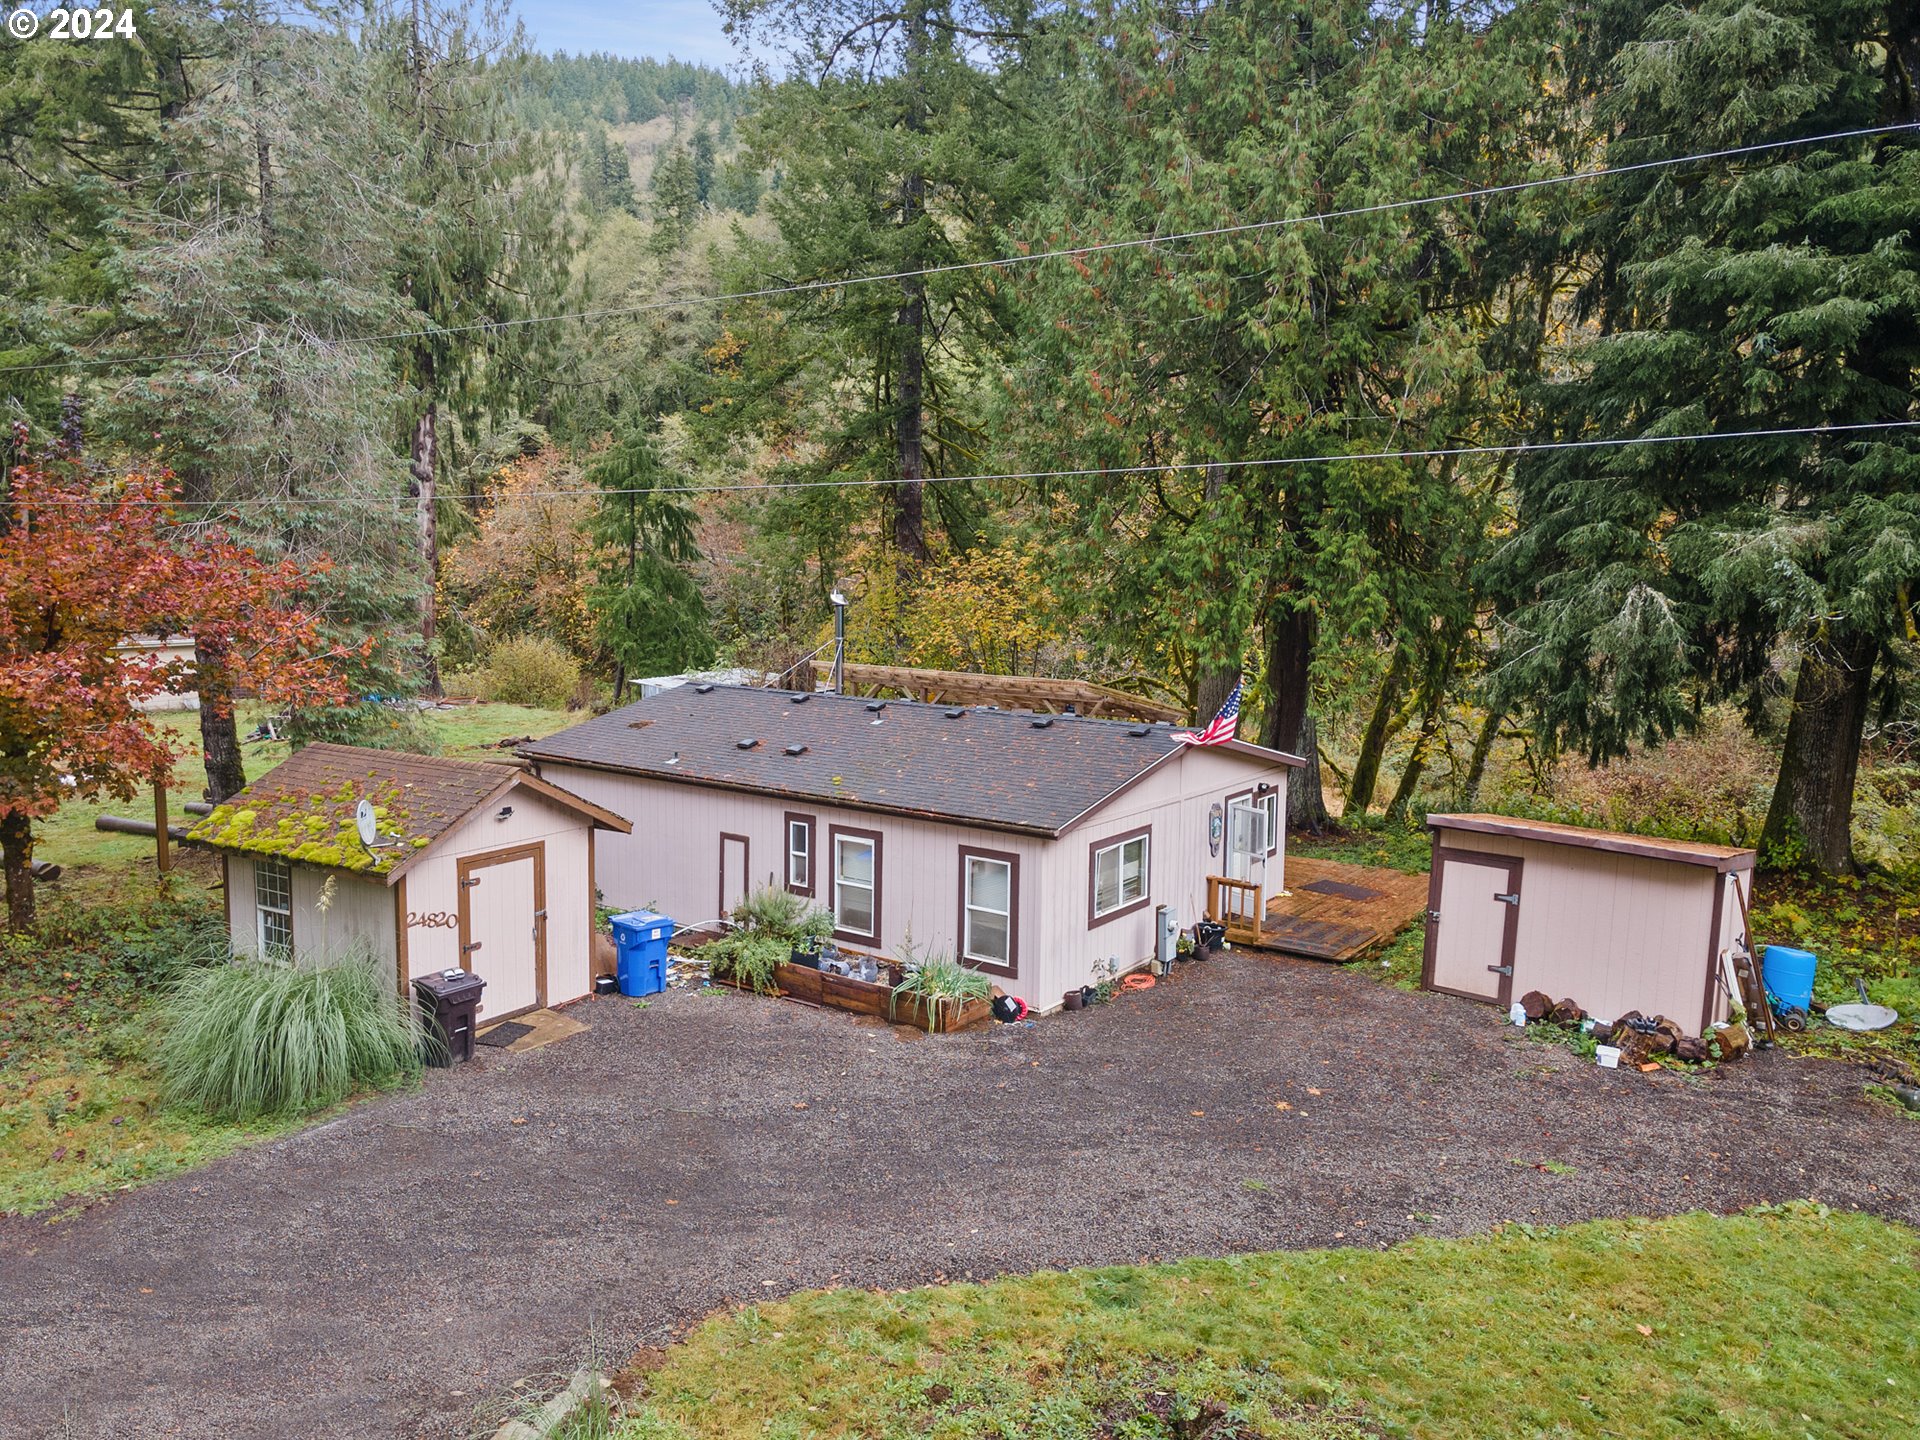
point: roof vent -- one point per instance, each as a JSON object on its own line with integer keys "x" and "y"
{"x": 801, "y": 699}
{"x": 796, "y": 749}
{"x": 703, "y": 689}
{"x": 1043, "y": 722}
{"x": 955, "y": 714}
{"x": 1137, "y": 731}
{"x": 745, "y": 744}
{"x": 876, "y": 706}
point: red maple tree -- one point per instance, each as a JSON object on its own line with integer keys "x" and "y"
{"x": 87, "y": 561}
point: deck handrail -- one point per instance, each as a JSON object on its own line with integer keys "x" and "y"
{"x": 1235, "y": 904}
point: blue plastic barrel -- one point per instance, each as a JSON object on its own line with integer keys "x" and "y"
{"x": 640, "y": 943}
{"x": 1789, "y": 974}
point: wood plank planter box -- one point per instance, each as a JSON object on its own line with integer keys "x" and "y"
{"x": 868, "y": 997}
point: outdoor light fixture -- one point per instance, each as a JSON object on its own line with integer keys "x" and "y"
{"x": 506, "y": 813}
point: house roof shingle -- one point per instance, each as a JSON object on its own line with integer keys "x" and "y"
{"x": 303, "y": 808}
{"x": 1005, "y": 769}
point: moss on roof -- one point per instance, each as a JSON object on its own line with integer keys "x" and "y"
{"x": 304, "y": 809}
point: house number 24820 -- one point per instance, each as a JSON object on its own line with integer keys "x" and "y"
{"x": 432, "y": 919}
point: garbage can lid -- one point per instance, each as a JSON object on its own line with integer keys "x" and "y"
{"x": 449, "y": 984}
{"x": 640, "y": 919}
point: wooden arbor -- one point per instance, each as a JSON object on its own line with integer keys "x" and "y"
{"x": 1039, "y": 693}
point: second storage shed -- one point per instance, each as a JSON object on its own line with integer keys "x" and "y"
{"x": 1613, "y": 922}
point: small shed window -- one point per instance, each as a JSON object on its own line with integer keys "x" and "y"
{"x": 1119, "y": 875}
{"x": 273, "y": 907}
{"x": 855, "y": 884}
{"x": 800, "y": 854}
{"x": 988, "y": 883}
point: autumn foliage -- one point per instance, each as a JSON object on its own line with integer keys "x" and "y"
{"x": 88, "y": 560}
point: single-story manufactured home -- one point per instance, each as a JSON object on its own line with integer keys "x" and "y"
{"x": 1612, "y": 922}
{"x": 1032, "y": 847}
{"x": 475, "y": 865}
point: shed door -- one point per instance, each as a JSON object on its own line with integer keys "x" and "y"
{"x": 502, "y": 934}
{"x": 1473, "y": 924}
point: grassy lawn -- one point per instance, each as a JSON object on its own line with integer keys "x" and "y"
{"x": 80, "y": 1100}
{"x": 1787, "y": 1322}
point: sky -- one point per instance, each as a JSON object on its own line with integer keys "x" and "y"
{"x": 685, "y": 29}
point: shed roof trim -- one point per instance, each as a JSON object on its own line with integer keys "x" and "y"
{"x": 1646, "y": 847}
{"x": 996, "y": 770}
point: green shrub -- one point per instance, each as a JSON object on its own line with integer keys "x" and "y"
{"x": 526, "y": 670}
{"x": 746, "y": 958}
{"x": 782, "y": 914}
{"x": 253, "y": 1038}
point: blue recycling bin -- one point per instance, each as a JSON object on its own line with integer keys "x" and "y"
{"x": 640, "y": 943}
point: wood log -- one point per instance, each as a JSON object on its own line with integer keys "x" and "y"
{"x": 1566, "y": 1013}
{"x": 1537, "y": 1003}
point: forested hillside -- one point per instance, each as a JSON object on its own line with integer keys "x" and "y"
{"x": 1498, "y": 388}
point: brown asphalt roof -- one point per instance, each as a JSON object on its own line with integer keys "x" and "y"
{"x": 1647, "y": 847}
{"x": 1000, "y": 768}
{"x": 304, "y": 807}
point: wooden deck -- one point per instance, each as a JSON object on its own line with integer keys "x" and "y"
{"x": 1334, "y": 911}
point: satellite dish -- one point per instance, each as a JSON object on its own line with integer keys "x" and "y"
{"x": 364, "y": 822}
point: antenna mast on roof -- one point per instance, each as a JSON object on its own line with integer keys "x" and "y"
{"x": 839, "y": 640}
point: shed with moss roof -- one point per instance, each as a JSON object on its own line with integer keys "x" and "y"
{"x": 474, "y": 864}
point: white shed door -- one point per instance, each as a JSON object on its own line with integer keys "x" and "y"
{"x": 501, "y": 936}
{"x": 1470, "y": 941}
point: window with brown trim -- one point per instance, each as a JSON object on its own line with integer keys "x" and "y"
{"x": 990, "y": 910}
{"x": 799, "y": 852}
{"x": 853, "y": 857}
{"x": 1119, "y": 875}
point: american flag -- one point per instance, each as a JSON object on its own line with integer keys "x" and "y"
{"x": 1220, "y": 729}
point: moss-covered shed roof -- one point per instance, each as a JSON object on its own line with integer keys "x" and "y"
{"x": 303, "y": 809}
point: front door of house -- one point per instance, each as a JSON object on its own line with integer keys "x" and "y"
{"x": 1246, "y": 841}
{"x": 1473, "y": 923}
{"x": 502, "y": 929}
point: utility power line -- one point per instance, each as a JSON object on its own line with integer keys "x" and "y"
{"x": 1004, "y": 262}
{"x": 1517, "y": 447}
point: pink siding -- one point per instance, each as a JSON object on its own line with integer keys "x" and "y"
{"x": 1612, "y": 932}
{"x": 434, "y": 886}
{"x": 671, "y": 862}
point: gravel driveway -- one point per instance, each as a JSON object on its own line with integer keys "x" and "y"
{"x": 387, "y": 1273}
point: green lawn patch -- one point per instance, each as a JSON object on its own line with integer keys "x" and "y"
{"x": 1372, "y": 842}
{"x": 1785, "y": 1322}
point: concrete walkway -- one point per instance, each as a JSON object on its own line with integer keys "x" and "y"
{"x": 395, "y": 1271}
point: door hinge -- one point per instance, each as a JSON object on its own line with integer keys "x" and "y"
{"x": 1500, "y": 969}
{"x": 539, "y": 914}
{"x": 1434, "y": 916}
{"x": 468, "y": 949}
{"x": 470, "y": 880}
{"x": 1513, "y": 899}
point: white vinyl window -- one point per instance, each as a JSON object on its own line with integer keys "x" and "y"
{"x": 1119, "y": 875}
{"x": 799, "y": 855}
{"x": 855, "y": 887}
{"x": 989, "y": 918}
{"x": 273, "y": 908}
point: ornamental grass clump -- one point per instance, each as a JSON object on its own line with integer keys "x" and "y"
{"x": 944, "y": 984}
{"x": 255, "y": 1038}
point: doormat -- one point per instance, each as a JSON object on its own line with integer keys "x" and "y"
{"x": 1342, "y": 889}
{"x": 503, "y": 1034}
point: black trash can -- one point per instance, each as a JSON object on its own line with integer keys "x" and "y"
{"x": 1209, "y": 938}
{"x": 448, "y": 1000}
